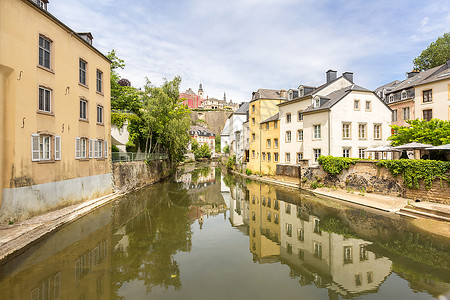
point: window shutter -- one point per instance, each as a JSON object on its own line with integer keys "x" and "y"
{"x": 57, "y": 147}
{"x": 106, "y": 149}
{"x": 95, "y": 148}
{"x": 34, "y": 147}
{"x": 91, "y": 148}
{"x": 77, "y": 148}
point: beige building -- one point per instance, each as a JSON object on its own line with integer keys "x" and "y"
{"x": 262, "y": 106}
{"x": 54, "y": 112}
{"x": 270, "y": 144}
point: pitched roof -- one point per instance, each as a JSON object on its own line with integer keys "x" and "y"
{"x": 267, "y": 94}
{"x": 441, "y": 74}
{"x": 388, "y": 86}
{"x": 272, "y": 118}
{"x": 243, "y": 109}
{"x": 414, "y": 80}
{"x": 201, "y": 130}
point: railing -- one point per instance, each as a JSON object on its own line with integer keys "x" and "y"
{"x": 132, "y": 156}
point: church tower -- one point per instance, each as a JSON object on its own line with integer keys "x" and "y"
{"x": 224, "y": 97}
{"x": 200, "y": 91}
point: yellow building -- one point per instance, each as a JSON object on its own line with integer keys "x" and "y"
{"x": 262, "y": 106}
{"x": 54, "y": 112}
{"x": 270, "y": 144}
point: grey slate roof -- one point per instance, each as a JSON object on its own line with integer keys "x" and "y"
{"x": 272, "y": 118}
{"x": 202, "y": 131}
{"x": 267, "y": 94}
{"x": 415, "y": 80}
{"x": 388, "y": 86}
{"x": 333, "y": 98}
{"x": 243, "y": 109}
{"x": 441, "y": 74}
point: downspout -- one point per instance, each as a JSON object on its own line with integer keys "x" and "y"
{"x": 260, "y": 154}
{"x": 329, "y": 134}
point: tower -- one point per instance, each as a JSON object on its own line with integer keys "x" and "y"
{"x": 200, "y": 91}
{"x": 224, "y": 97}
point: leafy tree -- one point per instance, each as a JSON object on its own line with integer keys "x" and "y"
{"x": 203, "y": 152}
{"x": 226, "y": 149}
{"x": 435, "y": 132}
{"x": 194, "y": 145}
{"x": 437, "y": 53}
{"x": 217, "y": 143}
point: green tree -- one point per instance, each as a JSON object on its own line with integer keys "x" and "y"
{"x": 203, "y": 152}
{"x": 437, "y": 53}
{"x": 435, "y": 132}
{"x": 217, "y": 143}
{"x": 226, "y": 149}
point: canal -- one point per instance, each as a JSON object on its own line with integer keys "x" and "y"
{"x": 210, "y": 235}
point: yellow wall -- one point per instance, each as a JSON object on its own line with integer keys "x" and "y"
{"x": 21, "y": 23}
{"x": 264, "y": 109}
{"x": 269, "y": 167}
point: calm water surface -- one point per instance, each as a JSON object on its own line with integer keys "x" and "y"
{"x": 212, "y": 236}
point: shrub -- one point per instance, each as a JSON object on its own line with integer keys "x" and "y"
{"x": 334, "y": 165}
{"x": 248, "y": 172}
{"x": 114, "y": 148}
{"x": 203, "y": 152}
{"x": 231, "y": 162}
{"x": 226, "y": 149}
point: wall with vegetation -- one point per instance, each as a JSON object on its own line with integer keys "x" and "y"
{"x": 131, "y": 175}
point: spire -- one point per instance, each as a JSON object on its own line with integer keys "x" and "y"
{"x": 224, "y": 97}
{"x": 200, "y": 87}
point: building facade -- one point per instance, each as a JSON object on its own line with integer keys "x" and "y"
{"x": 270, "y": 144}
{"x": 203, "y": 136}
{"x": 191, "y": 99}
{"x": 54, "y": 112}
{"x": 262, "y": 106}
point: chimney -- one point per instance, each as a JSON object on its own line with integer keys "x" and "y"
{"x": 283, "y": 93}
{"x": 412, "y": 73}
{"x": 331, "y": 75}
{"x": 348, "y": 75}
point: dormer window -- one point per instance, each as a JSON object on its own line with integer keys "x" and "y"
{"x": 404, "y": 95}
{"x": 391, "y": 98}
{"x": 291, "y": 95}
{"x": 301, "y": 91}
{"x": 42, "y": 3}
{"x": 316, "y": 102}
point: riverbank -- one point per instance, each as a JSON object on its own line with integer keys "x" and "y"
{"x": 385, "y": 203}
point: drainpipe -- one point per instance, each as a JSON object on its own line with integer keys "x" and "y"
{"x": 260, "y": 154}
{"x": 329, "y": 133}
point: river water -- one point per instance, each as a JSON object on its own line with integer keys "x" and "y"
{"x": 206, "y": 235}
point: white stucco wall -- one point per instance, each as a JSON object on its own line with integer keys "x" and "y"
{"x": 440, "y": 105}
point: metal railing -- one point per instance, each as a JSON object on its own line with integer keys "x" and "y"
{"x": 133, "y": 156}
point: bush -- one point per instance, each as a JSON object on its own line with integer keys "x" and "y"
{"x": 226, "y": 149}
{"x": 114, "y": 148}
{"x": 203, "y": 152}
{"x": 334, "y": 165}
{"x": 231, "y": 162}
{"x": 248, "y": 172}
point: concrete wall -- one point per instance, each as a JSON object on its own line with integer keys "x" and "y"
{"x": 24, "y": 202}
{"x": 132, "y": 175}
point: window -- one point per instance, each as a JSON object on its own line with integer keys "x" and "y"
{"x": 288, "y": 157}
{"x": 99, "y": 114}
{"x": 276, "y": 219}
{"x": 348, "y": 255}
{"x": 317, "y": 226}
{"x": 317, "y": 132}
{"x": 427, "y": 114}
{"x": 268, "y": 156}
{"x": 288, "y": 209}
{"x": 91, "y": 148}
{"x": 346, "y": 152}
{"x": 253, "y": 108}
{"x": 361, "y": 153}
{"x": 264, "y": 156}
{"x": 45, "y": 99}
{"x": 346, "y": 130}
{"x": 405, "y": 113}
{"x": 288, "y": 229}
{"x": 82, "y": 74}
{"x": 369, "y": 277}
{"x": 269, "y": 202}
{"x": 394, "y": 116}
{"x": 301, "y": 234}
{"x": 267, "y": 126}
{"x": 288, "y": 118}
{"x": 99, "y": 81}
{"x": 275, "y": 157}
{"x": 356, "y": 105}
{"x": 44, "y": 52}
{"x": 358, "y": 279}
{"x": 368, "y": 105}
{"x": 317, "y": 250}
{"x": 41, "y": 149}
{"x": 404, "y": 95}
{"x": 57, "y": 148}
{"x": 288, "y": 136}
{"x": 98, "y": 148}
{"x": 317, "y": 153}
{"x": 275, "y": 143}
{"x": 301, "y": 254}
{"x": 427, "y": 96}
{"x": 300, "y": 135}
{"x": 83, "y": 109}
{"x": 363, "y": 254}
{"x": 316, "y": 102}
{"x": 391, "y": 98}
{"x": 377, "y": 131}
{"x": 80, "y": 148}
{"x": 253, "y": 121}
{"x": 269, "y": 216}
{"x": 299, "y": 156}
{"x": 289, "y": 247}
{"x": 275, "y": 124}
{"x": 253, "y": 153}
{"x": 268, "y": 143}
{"x": 299, "y": 116}
{"x": 253, "y": 137}
{"x": 362, "y": 131}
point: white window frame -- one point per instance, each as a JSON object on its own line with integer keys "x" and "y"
{"x": 317, "y": 153}
{"x": 287, "y": 157}
{"x": 82, "y": 74}
{"x": 269, "y": 143}
{"x": 288, "y": 118}
{"x": 377, "y": 131}
{"x": 35, "y": 148}
{"x": 288, "y": 136}
{"x": 346, "y": 130}
{"x": 91, "y": 148}
{"x": 299, "y": 116}
{"x": 316, "y": 102}
{"x": 361, "y": 153}
{"x": 44, "y": 51}
{"x": 275, "y": 156}
{"x": 317, "y": 132}
{"x": 99, "y": 109}
{"x": 356, "y": 105}
{"x": 57, "y": 147}
{"x": 362, "y": 134}
{"x": 300, "y": 135}
{"x": 368, "y": 102}
{"x": 299, "y": 156}
{"x": 45, "y": 92}
{"x": 394, "y": 115}
{"x": 275, "y": 143}
{"x": 346, "y": 152}
{"x": 106, "y": 148}
{"x": 404, "y": 110}
{"x": 81, "y": 150}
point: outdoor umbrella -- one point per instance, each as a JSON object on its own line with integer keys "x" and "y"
{"x": 381, "y": 149}
{"x": 441, "y": 147}
{"x": 413, "y": 146}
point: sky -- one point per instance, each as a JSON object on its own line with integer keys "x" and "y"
{"x": 239, "y": 46}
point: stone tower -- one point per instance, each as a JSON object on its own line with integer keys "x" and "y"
{"x": 200, "y": 91}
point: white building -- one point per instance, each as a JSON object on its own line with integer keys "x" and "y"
{"x": 233, "y": 132}
{"x": 338, "y": 118}
{"x": 225, "y": 135}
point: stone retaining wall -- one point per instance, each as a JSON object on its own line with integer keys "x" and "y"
{"x": 132, "y": 175}
{"x": 439, "y": 192}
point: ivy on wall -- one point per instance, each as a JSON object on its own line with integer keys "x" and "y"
{"x": 414, "y": 169}
{"x": 119, "y": 118}
{"x": 334, "y": 165}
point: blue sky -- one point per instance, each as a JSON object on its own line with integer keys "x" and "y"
{"x": 238, "y": 46}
